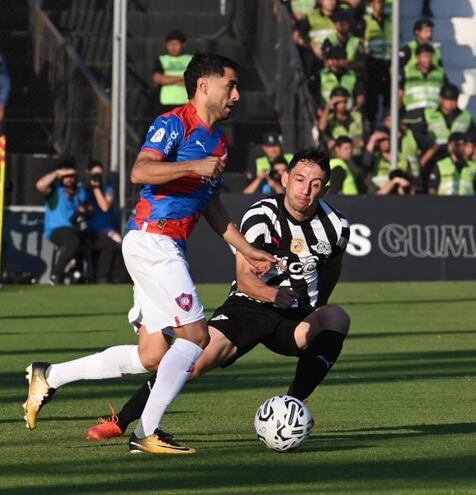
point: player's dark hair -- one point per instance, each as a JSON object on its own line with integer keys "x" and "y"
{"x": 203, "y": 65}
{"x": 314, "y": 155}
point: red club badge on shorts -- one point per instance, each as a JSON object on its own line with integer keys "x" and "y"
{"x": 185, "y": 301}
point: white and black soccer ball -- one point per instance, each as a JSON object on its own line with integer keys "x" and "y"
{"x": 283, "y": 423}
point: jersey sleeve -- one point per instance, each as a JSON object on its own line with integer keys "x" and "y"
{"x": 343, "y": 239}
{"x": 254, "y": 227}
{"x": 165, "y": 136}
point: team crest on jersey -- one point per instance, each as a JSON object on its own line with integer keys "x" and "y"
{"x": 185, "y": 301}
{"x": 160, "y": 224}
{"x": 297, "y": 245}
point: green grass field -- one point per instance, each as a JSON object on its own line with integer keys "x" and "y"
{"x": 397, "y": 415}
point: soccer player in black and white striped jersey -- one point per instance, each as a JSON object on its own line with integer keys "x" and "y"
{"x": 285, "y": 308}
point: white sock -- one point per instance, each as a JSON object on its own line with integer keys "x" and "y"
{"x": 110, "y": 363}
{"x": 172, "y": 373}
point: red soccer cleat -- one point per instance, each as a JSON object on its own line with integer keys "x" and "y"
{"x": 106, "y": 428}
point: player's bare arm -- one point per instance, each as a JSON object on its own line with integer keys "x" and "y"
{"x": 150, "y": 168}
{"x": 250, "y": 283}
{"x": 330, "y": 275}
{"x": 219, "y": 220}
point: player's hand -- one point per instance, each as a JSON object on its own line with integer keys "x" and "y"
{"x": 211, "y": 166}
{"x": 254, "y": 256}
{"x": 285, "y": 298}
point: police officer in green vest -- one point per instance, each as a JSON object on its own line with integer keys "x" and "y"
{"x": 420, "y": 84}
{"x": 378, "y": 45}
{"x": 337, "y": 120}
{"x": 335, "y": 74}
{"x": 272, "y": 149}
{"x": 423, "y": 30}
{"x": 342, "y": 37}
{"x": 453, "y": 175}
{"x": 168, "y": 73}
{"x": 344, "y": 177}
{"x": 321, "y": 25}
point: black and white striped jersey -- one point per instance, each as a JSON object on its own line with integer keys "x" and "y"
{"x": 303, "y": 247}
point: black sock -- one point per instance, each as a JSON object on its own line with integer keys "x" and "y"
{"x": 315, "y": 362}
{"x": 133, "y": 408}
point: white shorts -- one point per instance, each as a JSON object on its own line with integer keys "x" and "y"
{"x": 164, "y": 293}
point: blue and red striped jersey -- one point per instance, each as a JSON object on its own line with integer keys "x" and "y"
{"x": 174, "y": 208}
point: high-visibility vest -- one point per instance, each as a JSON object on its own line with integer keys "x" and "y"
{"x": 378, "y": 38}
{"x": 453, "y": 182}
{"x": 349, "y": 187}
{"x": 413, "y": 45}
{"x": 321, "y": 26}
{"x": 420, "y": 90}
{"x": 354, "y": 130}
{"x": 351, "y": 47}
{"x": 407, "y": 160}
{"x": 438, "y": 128}
{"x": 262, "y": 162}
{"x": 174, "y": 94}
{"x": 329, "y": 81}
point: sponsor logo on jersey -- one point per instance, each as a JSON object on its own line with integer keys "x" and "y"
{"x": 185, "y": 301}
{"x": 322, "y": 247}
{"x": 170, "y": 141}
{"x": 158, "y": 136}
{"x": 219, "y": 317}
{"x": 201, "y": 145}
{"x": 297, "y": 245}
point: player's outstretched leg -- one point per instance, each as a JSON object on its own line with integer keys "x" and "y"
{"x": 39, "y": 392}
{"x": 321, "y": 337}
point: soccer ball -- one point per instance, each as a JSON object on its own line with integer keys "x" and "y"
{"x": 283, "y": 423}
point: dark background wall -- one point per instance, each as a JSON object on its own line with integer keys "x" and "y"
{"x": 393, "y": 238}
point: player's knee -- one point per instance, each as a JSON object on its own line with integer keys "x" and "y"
{"x": 332, "y": 317}
{"x": 150, "y": 360}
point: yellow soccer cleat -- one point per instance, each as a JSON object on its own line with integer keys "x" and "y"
{"x": 157, "y": 443}
{"x": 39, "y": 392}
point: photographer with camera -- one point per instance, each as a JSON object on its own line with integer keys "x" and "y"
{"x": 269, "y": 181}
{"x": 100, "y": 233}
{"x": 62, "y": 208}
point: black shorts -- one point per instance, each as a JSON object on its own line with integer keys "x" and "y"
{"x": 249, "y": 323}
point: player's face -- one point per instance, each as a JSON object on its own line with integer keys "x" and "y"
{"x": 222, "y": 94}
{"x": 305, "y": 185}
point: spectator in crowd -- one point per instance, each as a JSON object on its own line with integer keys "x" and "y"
{"x": 399, "y": 182}
{"x": 439, "y": 123}
{"x": 168, "y": 73}
{"x": 453, "y": 175}
{"x": 302, "y": 8}
{"x": 5, "y": 87}
{"x": 63, "y": 202}
{"x": 99, "y": 199}
{"x": 378, "y": 46}
{"x": 420, "y": 84}
{"x": 342, "y": 37}
{"x": 470, "y": 148}
{"x": 423, "y": 30}
{"x": 343, "y": 177}
{"x": 337, "y": 120}
{"x": 335, "y": 74}
{"x": 269, "y": 181}
{"x": 272, "y": 149}
{"x": 321, "y": 25}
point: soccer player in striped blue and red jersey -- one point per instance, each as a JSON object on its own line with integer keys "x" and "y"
{"x": 180, "y": 167}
